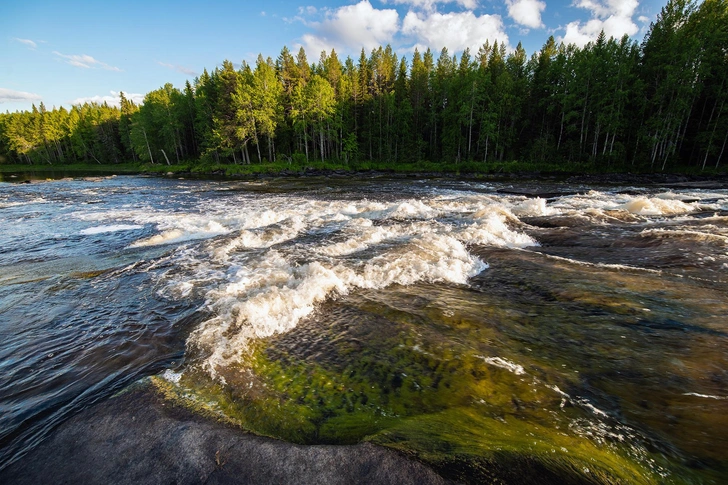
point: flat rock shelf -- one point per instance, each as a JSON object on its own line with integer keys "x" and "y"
{"x": 138, "y": 437}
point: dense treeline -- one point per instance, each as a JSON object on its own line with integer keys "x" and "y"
{"x": 612, "y": 103}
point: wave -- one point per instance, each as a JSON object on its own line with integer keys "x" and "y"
{"x": 699, "y": 236}
{"x": 264, "y": 262}
{"x": 275, "y": 294}
{"x": 657, "y": 206}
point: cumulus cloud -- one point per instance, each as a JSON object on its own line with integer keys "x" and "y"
{"x": 175, "y": 67}
{"x": 352, "y": 26}
{"x": 27, "y": 42}
{"x": 526, "y": 12}
{"x": 456, "y": 31}
{"x": 614, "y": 17}
{"x": 431, "y": 4}
{"x": 85, "y": 61}
{"x": 315, "y": 44}
{"x": 12, "y": 96}
{"x": 110, "y": 99}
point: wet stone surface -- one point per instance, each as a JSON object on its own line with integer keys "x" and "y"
{"x": 139, "y": 438}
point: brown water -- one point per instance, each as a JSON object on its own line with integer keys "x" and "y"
{"x": 583, "y": 332}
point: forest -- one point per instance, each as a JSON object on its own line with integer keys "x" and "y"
{"x": 613, "y": 104}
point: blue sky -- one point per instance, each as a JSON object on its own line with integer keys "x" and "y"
{"x": 69, "y": 52}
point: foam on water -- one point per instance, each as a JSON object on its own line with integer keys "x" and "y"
{"x": 262, "y": 237}
{"x": 373, "y": 245}
{"x": 533, "y": 207}
{"x": 504, "y": 364}
{"x": 366, "y": 244}
{"x": 364, "y": 234}
{"x": 657, "y": 206}
{"x": 617, "y": 267}
{"x": 171, "y": 376}
{"x": 705, "y": 396}
{"x": 275, "y": 294}
{"x": 110, "y": 228}
{"x": 491, "y": 228}
{"x": 266, "y": 261}
{"x": 189, "y": 233}
{"x": 700, "y": 236}
{"x": 36, "y": 200}
{"x": 599, "y": 203}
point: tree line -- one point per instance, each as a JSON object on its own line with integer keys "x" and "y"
{"x": 612, "y": 103}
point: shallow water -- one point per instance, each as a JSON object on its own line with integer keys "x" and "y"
{"x": 455, "y": 320}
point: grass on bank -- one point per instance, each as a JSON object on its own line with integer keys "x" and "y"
{"x": 198, "y": 167}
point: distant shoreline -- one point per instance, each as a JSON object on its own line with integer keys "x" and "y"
{"x": 20, "y": 174}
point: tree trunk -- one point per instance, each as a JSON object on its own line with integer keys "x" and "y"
{"x": 176, "y": 152}
{"x": 147, "y": 142}
{"x": 611, "y": 146}
{"x": 720, "y": 155}
{"x": 583, "y": 119}
{"x": 305, "y": 142}
{"x": 710, "y": 140}
{"x": 60, "y": 150}
{"x": 88, "y": 151}
{"x": 322, "y": 142}
{"x": 257, "y": 143}
{"x": 165, "y": 156}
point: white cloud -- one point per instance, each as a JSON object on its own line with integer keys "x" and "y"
{"x": 27, "y": 42}
{"x": 614, "y": 17}
{"x": 85, "y": 61}
{"x": 456, "y": 31}
{"x": 111, "y": 100}
{"x": 315, "y": 44}
{"x": 430, "y": 4}
{"x": 309, "y": 10}
{"x": 526, "y": 12}
{"x": 181, "y": 69}
{"x": 12, "y": 96}
{"x": 352, "y": 26}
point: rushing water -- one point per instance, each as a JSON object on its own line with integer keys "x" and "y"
{"x": 588, "y": 324}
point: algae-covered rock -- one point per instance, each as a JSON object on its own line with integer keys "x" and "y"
{"x": 507, "y": 379}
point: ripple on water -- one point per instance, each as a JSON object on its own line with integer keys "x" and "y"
{"x": 584, "y": 330}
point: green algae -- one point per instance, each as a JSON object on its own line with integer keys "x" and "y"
{"x": 464, "y": 445}
{"x": 87, "y": 275}
{"x": 506, "y": 380}
{"x": 440, "y": 402}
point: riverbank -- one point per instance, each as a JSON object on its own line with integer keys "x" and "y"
{"x": 139, "y": 437}
{"x": 493, "y": 171}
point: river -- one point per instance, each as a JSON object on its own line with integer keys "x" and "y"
{"x": 582, "y": 326}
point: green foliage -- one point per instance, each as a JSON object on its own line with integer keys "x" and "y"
{"x": 610, "y": 105}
